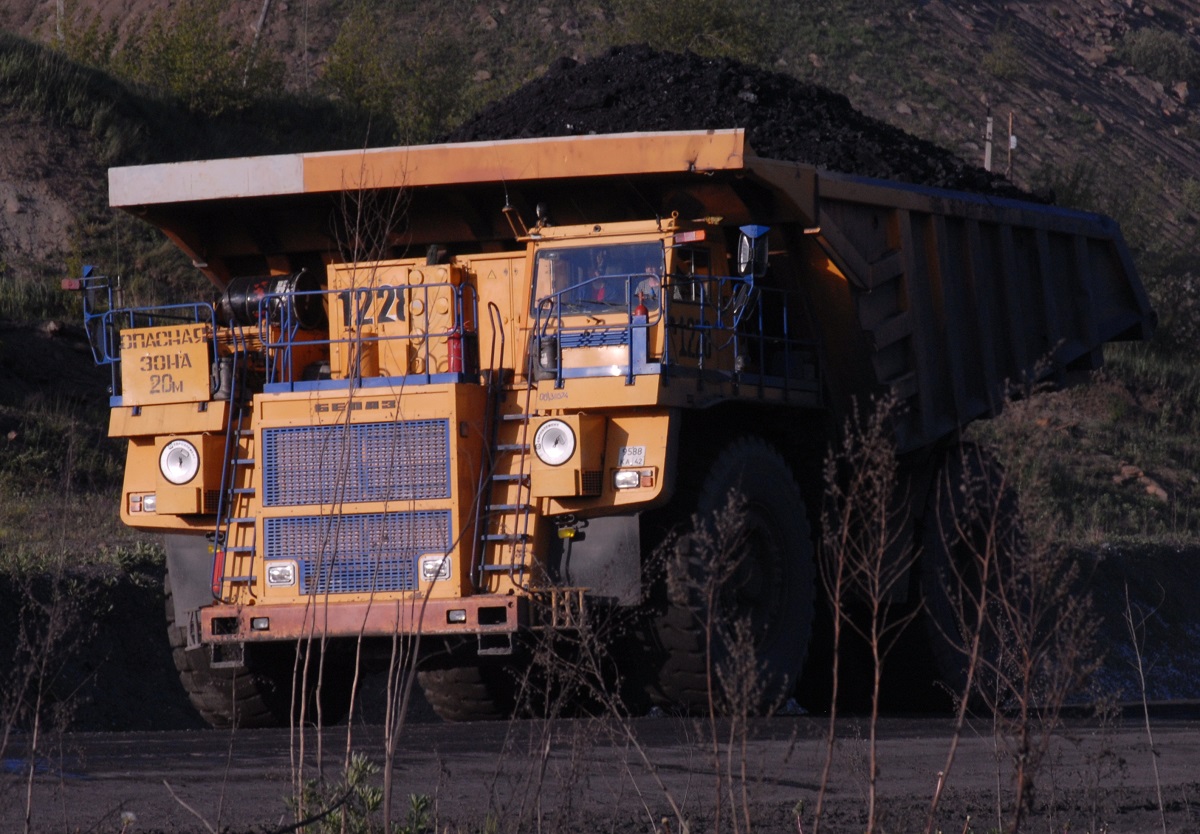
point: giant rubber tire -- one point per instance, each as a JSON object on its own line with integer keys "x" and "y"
{"x": 471, "y": 689}
{"x": 259, "y": 693}
{"x": 778, "y": 584}
{"x": 968, "y": 503}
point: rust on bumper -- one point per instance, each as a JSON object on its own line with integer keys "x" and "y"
{"x": 482, "y": 614}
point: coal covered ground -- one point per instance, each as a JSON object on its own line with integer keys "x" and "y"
{"x": 637, "y": 89}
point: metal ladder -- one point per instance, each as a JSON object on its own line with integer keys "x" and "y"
{"x": 233, "y": 520}
{"x": 506, "y": 499}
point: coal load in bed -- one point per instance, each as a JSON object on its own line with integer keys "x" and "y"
{"x": 635, "y": 88}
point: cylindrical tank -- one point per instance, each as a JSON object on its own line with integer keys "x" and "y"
{"x": 298, "y": 296}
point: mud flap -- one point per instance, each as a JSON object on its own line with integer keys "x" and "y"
{"x": 189, "y": 563}
{"x": 602, "y": 555}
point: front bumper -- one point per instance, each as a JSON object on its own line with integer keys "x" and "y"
{"x": 483, "y": 614}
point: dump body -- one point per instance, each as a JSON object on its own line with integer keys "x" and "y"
{"x": 414, "y": 404}
{"x": 955, "y": 302}
{"x": 950, "y": 299}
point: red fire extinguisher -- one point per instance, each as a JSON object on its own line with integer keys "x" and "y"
{"x": 454, "y": 349}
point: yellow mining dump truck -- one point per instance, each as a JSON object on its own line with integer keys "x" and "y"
{"x": 461, "y": 391}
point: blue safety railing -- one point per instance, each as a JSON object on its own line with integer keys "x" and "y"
{"x": 283, "y": 334}
{"x": 703, "y": 317}
{"x": 105, "y": 318}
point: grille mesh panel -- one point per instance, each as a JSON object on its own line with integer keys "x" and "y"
{"x": 394, "y": 461}
{"x": 592, "y": 482}
{"x": 357, "y": 553}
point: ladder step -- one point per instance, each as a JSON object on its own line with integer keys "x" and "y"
{"x": 512, "y": 447}
{"x": 242, "y": 461}
{"x": 241, "y": 580}
{"x": 241, "y": 548}
{"x": 243, "y": 490}
{"x": 495, "y": 568}
{"x": 508, "y": 508}
{"x": 242, "y": 520}
{"x": 522, "y": 477}
{"x": 511, "y": 538}
{"x": 515, "y": 417}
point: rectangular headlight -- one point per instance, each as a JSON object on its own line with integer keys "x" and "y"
{"x": 149, "y": 502}
{"x": 626, "y": 479}
{"x": 281, "y": 575}
{"x": 633, "y": 478}
{"x": 435, "y": 567}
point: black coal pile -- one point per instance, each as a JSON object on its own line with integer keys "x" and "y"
{"x": 635, "y": 88}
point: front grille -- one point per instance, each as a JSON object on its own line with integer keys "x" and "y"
{"x": 395, "y": 461}
{"x": 357, "y": 553}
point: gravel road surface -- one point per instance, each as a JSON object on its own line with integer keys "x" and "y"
{"x": 586, "y": 776}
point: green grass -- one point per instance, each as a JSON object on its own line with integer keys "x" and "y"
{"x": 1165, "y": 56}
{"x": 1088, "y": 462}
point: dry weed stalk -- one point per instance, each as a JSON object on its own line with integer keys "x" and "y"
{"x": 867, "y": 557}
{"x": 702, "y": 568}
{"x": 50, "y": 628}
{"x": 1025, "y": 626}
{"x": 980, "y": 507}
{"x": 1137, "y": 626}
{"x": 572, "y": 671}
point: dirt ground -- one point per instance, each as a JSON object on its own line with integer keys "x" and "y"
{"x": 598, "y": 776}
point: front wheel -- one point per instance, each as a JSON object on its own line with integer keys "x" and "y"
{"x": 258, "y": 691}
{"x": 466, "y": 687}
{"x": 739, "y": 589}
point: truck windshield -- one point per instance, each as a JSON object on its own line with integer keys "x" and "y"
{"x": 589, "y": 279}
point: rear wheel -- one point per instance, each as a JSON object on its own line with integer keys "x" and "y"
{"x": 760, "y": 597}
{"x": 258, "y": 691}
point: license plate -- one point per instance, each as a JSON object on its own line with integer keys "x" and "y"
{"x": 632, "y": 456}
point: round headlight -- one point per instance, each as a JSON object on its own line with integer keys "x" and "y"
{"x": 179, "y": 461}
{"x": 554, "y": 442}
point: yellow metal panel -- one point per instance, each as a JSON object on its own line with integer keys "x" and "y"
{"x": 127, "y": 421}
{"x": 567, "y": 479}
{"x": 398, "y": 303}
{"x": 620, "y": 154}
{"x": 182, "y": 499}
{"x": 642, "y": 440}
{"x": 141, "y": 477}
{"x": 463, "y": 405}
{"x": 165, "y": 365}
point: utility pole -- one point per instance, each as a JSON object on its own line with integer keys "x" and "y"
{"x": 1012, "y": 146}
{"x": 987, "y": 142}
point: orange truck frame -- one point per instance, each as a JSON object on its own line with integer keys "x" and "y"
{"x": 463, "y": 391}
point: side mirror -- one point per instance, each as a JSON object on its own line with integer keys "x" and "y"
{"x": 752, "y": 251}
